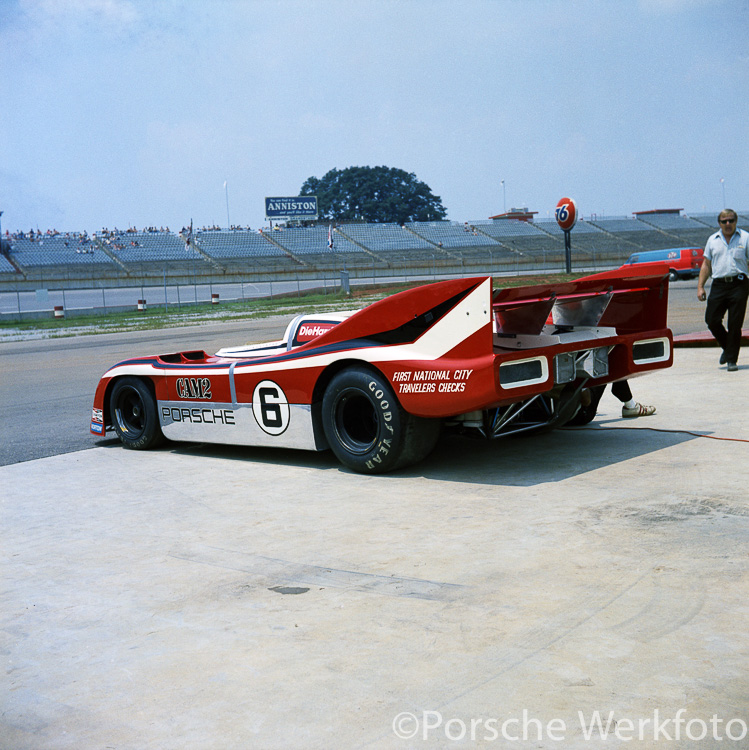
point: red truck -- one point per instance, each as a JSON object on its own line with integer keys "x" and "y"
{"x": 679, "y": 262}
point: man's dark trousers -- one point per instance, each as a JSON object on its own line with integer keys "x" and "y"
{"x": 731, "y": 297}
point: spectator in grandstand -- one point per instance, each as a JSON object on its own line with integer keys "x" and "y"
{"x": 727, "y": 261}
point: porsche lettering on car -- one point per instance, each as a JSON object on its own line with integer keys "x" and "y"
{"x": 378, "y": 386}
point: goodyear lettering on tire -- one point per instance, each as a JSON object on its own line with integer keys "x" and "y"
{"x": 384, "y": 445}
{"x": 384, "y": 404}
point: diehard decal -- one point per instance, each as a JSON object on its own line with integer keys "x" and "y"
{"x": 270, "y": 407}
{"x": 309, "y": 331}
{"x": 194, "y": 388}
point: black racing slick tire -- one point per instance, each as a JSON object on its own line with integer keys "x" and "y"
{"x": 585, "y": 414}
{"x": 366, "y": 427}
{"x": 132, "y": 407}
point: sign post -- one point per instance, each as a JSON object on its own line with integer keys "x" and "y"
{"x": 566, "y": 214}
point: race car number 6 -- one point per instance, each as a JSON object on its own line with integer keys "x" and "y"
{"x": 270, "y": 407}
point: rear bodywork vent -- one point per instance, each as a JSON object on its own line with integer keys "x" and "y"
{"x": 651, "y": 350}
{"x": 523, "y": 372}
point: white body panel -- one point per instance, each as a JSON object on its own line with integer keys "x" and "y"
{"x": 236, "y": 424}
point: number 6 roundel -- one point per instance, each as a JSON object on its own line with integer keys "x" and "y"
{"x": 270, "y": 407}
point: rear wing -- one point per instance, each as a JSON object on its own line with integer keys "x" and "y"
{"x": 629, "y": 302}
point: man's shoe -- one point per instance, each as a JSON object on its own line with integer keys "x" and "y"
{"x": 638, "y": 410}
{"x": 723, "y": 359}
{"x": 732, "y": 367}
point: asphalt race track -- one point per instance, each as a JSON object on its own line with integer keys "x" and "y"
{"x": 48, "y": 385}
{"x": 580, "y": 589}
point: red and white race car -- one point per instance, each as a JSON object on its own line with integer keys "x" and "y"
{"x": 378, "y": 385}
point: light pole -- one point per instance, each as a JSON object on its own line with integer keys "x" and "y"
{"x": 504, "y": 198}
{"x": 226, "y": 191}
{"x": 723, "y": 185}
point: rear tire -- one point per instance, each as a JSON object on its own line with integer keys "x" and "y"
{"x": 367, "y": 428}
{"x": 134, "y": 414}
{"x": 585, "y": 414}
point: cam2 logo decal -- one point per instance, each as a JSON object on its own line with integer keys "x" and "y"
{"x": 194, "y": 388}
{"x": 270, "y": 407}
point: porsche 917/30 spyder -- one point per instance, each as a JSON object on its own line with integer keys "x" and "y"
{"x": 377, "y": 386}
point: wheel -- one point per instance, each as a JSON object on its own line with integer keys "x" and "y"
{"x": 133, "y": 410}
{"x": 585, "y": 414}
{"x": 367, "y": 428}
{"x": 672, "y": 275}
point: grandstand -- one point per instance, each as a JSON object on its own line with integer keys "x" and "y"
{"x": 240, "y": 251}
{"x": 59, "y": 253}
{"x": 447, "y": 234}
{"x": 687, "y": 230}
{"x": 6, "y": 267}
{"x": 310, "y": 246}
{"x": 465, "y": 243}
{"x": 636, "y": 234}
{"x": 120, "y": 258}
{"x": 383, "y": 238}
{"x": 591, "y": 244}
{"x": 690, "y": 230}
{"x": 143, "y": 253}
{"x": 534, "y": 248}
{"x": 237, "y": 245}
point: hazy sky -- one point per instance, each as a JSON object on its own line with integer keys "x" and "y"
{"x": 137, "y": 112}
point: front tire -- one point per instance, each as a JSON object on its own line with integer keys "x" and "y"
{"x": 134, "y": 414}
{"x": 367, "y": 428}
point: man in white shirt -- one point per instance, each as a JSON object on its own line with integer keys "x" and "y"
{"x": 727, "y": 261}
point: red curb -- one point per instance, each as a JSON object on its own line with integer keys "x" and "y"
{"x": 705, "y": 338}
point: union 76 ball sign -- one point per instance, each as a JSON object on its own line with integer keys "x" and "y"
{"x": 566, "y": 213}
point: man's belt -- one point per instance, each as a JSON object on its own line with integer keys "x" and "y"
{"x": 731, "y": 279}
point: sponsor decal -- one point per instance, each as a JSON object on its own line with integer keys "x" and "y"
{"x": 431, "y": 381}
{"x": 97, "y": 415}
{"x": 96, "y": 427}
{"x": 270, "y": 407}
{"x": 309, "y": 331}
{"x": 194, "y": 388}
{"x": 198, "y": 415}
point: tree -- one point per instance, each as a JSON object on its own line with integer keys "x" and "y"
{"x": 374, "y": 194}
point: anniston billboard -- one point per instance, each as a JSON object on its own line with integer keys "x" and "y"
{"x": 301, "y": 207}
